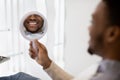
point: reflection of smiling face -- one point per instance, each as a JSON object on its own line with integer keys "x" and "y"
{"x": 33, "y": 23}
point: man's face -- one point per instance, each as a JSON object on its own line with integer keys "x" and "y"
{"x": 33, "y": 23}
{"x": 97, "y": 29}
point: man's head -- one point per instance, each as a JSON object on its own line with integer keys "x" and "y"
{"x": 33, "y": 23}
{"x": 105, "y": 28}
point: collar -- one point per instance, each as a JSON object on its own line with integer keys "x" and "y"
{"x": 109, "y": 66}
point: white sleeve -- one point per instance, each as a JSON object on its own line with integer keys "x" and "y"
{"x": 56, "y": 73}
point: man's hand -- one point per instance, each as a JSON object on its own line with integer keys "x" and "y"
{"x": 41, "y": 55}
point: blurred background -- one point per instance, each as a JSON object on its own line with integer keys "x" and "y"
{"x": 66, "y": 39}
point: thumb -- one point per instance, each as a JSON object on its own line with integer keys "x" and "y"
{"x": 40, "y": 46}
{"x": 37, "y": 44}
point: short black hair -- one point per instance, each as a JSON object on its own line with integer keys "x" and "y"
{"x": 113, "y": 7}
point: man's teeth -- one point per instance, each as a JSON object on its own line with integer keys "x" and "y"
{"x": 32, "y": 23}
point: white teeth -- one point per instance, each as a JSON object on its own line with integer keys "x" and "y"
{"x": 32, "y": 23}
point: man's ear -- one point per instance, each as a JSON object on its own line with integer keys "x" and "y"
{"x": 112, "y": 34}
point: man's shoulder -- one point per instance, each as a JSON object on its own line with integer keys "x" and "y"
{"x": 104, "y": 76}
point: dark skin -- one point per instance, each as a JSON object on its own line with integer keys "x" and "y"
{"x": 42, "y": 55}
{"x": 104, "y": 39}
{"x": 33, "y": 23}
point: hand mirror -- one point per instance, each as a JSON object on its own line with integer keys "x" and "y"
{"x": 33, "y": 25}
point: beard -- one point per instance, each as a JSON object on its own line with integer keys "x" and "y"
{"x": 96, "y": 45}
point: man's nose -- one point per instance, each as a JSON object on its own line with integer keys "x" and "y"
{"x": 32, "y": 17}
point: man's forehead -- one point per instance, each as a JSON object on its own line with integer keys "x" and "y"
{"x": 100, "y": 10}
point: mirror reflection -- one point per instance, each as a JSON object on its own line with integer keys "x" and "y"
{"x": 33, "y": 25}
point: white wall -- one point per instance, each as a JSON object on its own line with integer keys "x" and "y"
{"x": 78, "y": 15}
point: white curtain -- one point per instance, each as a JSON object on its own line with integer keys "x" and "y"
{"x": 12, "y": 43}
{"x": 56, "y": 17}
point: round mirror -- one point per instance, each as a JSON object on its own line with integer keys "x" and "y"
{"x": 33, "y": 25}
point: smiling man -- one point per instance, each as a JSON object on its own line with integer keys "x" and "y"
{"x": 34, "y": 23}
{"x": 104, "y": 42}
